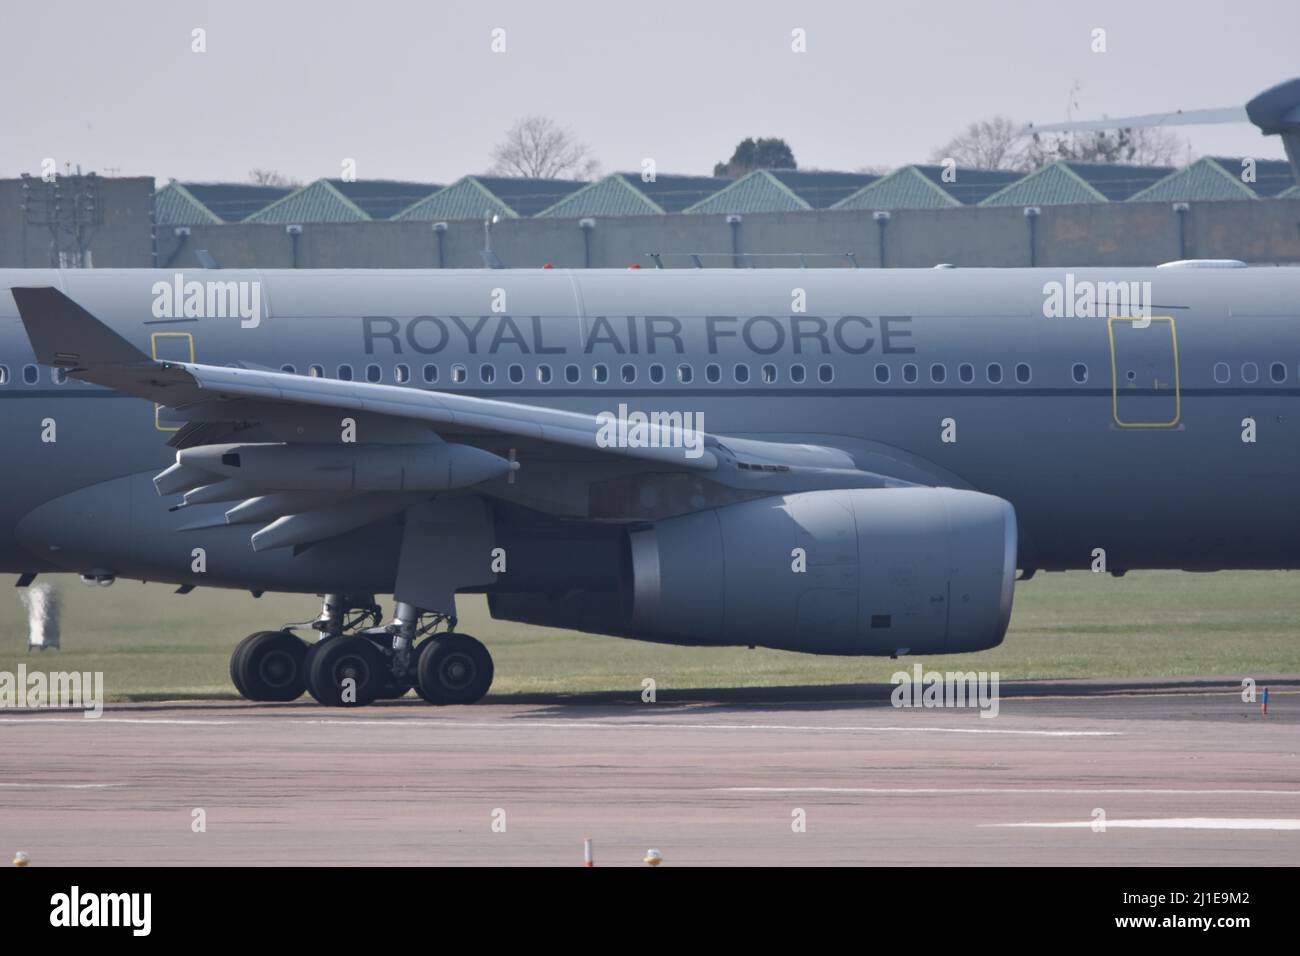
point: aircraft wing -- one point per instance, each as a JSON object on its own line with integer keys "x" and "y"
{"x": 209, "y": 398}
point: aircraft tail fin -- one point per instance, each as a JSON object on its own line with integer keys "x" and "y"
{"x": 65, "y": 335}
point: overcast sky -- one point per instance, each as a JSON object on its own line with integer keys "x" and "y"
{"x": 412, "y": 90}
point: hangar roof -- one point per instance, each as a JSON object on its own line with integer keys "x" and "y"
{"x": 1204, "y": 179}
{"x": 822, "y": 189}
{"x": 175, "y": 205}
{"x": 905, "y": 188}
{"x": 383, "y": 198}
{"x": 759, "y": 191}
{"x": 1065, "y": 181}
{"x": 320, "y": 201}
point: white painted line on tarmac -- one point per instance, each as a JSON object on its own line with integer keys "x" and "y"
{"x": 615, "y": 724}
{"x": 59, "y": 786}
{"x": 992, "y": 791}
{"x": 1184, "y": 823}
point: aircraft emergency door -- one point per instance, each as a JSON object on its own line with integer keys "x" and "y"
{"x": 1144, "y": 372}
{"x": 170, "y": 347}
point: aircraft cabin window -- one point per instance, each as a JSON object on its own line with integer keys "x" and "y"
{"x": 1080, "y": 372}
{"x": 798, "y": 373}
{"x": 31, "y": 374}
{"x": 374, "y": 373}
{"x": 401, "y": 374}
{"x": 938, "y": 373}
{"x": 1249, "y": 372}
{"x": 994, "y": 373}
{"x": 458, "y": 374}
{"x": 826, "y": 373}
{"x": 4, "y": 374}
{"x": 58, "y": 375}
{"x": 345, "y": 373}
{"x": 769, "y": 374}
{"x": 909, "y": 373}
{"x": 487, "y": 374}
{"x": 656, "y": 373}
{"x": 515, "y": 373}
{"x": 628, "y": 373}
{"x": 741, "y": 373}
{"x": 289, "y": 368}
{"x": 713, "y": 373}
{"x": 544, "y": 374}
{"x": 1222, "y": 373}
{"x": 600, "y": 373}
{"x": 685, "y": 374}
{"x": 1278, "y": 372}
{"x": 882, "y": 374}
{"x": 572, "y": 374}
{"x": 1022, "y": 373}
{"x": 966, "y": 372}
{"x": 431, "y": 373}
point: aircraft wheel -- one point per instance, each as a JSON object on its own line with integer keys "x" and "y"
{"x": 235, "y": 676}
{"x": 453, "y": 669}
{"x": 347, "y": 672}
{"x": 268, "y": 666}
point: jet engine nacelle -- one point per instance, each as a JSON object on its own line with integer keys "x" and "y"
{"x": 861, "y": 571}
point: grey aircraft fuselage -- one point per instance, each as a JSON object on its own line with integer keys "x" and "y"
{"x": 1104, "y": 432}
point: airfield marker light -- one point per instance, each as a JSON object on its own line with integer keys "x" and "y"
{"x": 653, "y": 857}
{"x": 1263, "y": 706}
{"x": 21, "y": 858}
{"x": 586, "y": 852}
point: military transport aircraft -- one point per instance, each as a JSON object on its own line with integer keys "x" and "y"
{"x": 833, "y": 461}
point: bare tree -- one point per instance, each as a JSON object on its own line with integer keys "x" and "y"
{"x": 537, "y": 147}
{"x": 269, "y": 177}
{"x": 993, "y": 143}
{"x": 1139, "y": 146}
{"x": 998, "y": 143}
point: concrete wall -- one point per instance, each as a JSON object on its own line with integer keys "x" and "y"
{"x": 122, "y": 237}
{"x": 1260, "y": 231}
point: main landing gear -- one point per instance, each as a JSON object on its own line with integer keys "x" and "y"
{"x": 357, "y": 661}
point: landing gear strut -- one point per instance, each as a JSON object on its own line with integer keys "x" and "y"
{"x": 355, "y": 661}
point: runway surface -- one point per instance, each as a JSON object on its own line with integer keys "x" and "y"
{"x": 1181, "y": 772}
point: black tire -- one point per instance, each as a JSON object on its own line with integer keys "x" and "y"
{"x": 342, "y": 658}
{"x": 270, "y": 668}
{"x": 236, "y": 677}
{"x": 453, "y": 669}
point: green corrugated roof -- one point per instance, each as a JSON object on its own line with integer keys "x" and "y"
{"x": 758, "y": 191}
{"x": 611, "y": 196}
{"x": 1272, "y": 176}
{"x": 1053, "y": 185}
{"x": 315, "y": 202}
{"x": 235, "y": 202}
{"x": 821, "y": 188}
{"x": 905, "y": 188}
{"x": 466, "y": 198}
{"x": 675, "y": 192}
{"x": 1204, "y": 179}
{"x": 174, "y": 205}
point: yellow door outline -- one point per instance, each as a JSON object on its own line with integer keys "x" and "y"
{"x": 153, "y": 348}
{"x": 1114, "y": 373}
